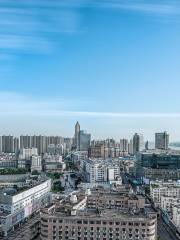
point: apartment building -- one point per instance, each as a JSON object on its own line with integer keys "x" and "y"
{"x": 99, "y": 170}
{"x": 160, "y": 188}
{"x": 17, "y": 205}
{"x": 76, "y": 218}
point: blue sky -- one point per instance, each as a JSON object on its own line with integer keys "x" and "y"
{"x": 111, "y": 64}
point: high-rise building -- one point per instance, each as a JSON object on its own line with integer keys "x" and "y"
{"x": 162, "y": 140}
{"x": 0, "y": 144}
{"x": 7, "y": 144}
{"x": 25, "y": 141}
{"x": 16, "y": 145}
{"x": 147, "y": 145}
{"x": 98, "y": 151}
{"x": 123, "y": 145}
{"x": 130, "y": 147}
{"x": 138, "y": 144}
{"x": 85, "y": 140}
{"x": 77, "y": 136}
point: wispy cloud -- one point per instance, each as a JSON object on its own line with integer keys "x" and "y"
{"x": 13, "y": 104}
{"x": 33, "y": 26}
{"x": 17, "y": 104}
{"x": 169, "y": 7}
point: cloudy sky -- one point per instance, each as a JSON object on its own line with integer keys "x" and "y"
{"x": 111, "y": 64}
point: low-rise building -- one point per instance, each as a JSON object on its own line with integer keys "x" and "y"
{"x": 161, "y": 188}
{"x": 8, "y": 160}
{"x": 176, "y": 215}
{"x": 18, "y": 204}
{"x": 78, "y": 218}
{"x": 53, "y": 163}
{"x": 158, "y": 164}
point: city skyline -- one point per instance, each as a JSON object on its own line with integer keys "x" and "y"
{"x": 112, "y": 65}
{"x": 78, "y": 131}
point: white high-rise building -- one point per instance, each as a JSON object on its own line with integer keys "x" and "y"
{"x": 27, "y": 153}
{"x": 98, "y": 170}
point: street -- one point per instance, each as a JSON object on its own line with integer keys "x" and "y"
{"x": 23, "y": 232}
{"x": 164, "y": 232}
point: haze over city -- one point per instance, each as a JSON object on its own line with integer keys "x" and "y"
{"x": 89, "y": 119}
{"x": 111, "y": 65}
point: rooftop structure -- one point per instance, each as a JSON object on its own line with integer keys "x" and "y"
{"x": 77, "y": 218}
{"x": 17, "y": 204}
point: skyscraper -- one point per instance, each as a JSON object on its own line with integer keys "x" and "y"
{"x": 7, "y": 144}
{"x": 77, "y": 136}
{"x": 130, "y": 147}
{"x": 162, "y": 140}
{"x": 138, "y": 144}
{"x": 123, "y": 145}
{"x": 85, "y": 140}
{"x": 25, "y": 141}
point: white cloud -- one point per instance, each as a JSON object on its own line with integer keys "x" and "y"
{"x": 152, "y": 7}
{"x": 32, "y": 26}
{"x": 20, "y": 105}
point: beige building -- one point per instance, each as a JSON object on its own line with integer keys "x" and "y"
{"x": 98, "y": 151}
{"x": 98, "y": 216}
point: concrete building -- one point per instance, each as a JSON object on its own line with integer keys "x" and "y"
{"x": 25, "y": 157}
{"x": 53, "y": 163}
{"x": 98, "y": 151}
{"x": 83, "y": 216}
{"x": 176, "y": 215}
{"x": 124, "y": 145}
{"x": 167, "y": 203}
{"x": 25, "y": 141}
{"x": 16, "y": 206}
{"x": 8, "y": 160}
{"x": 138, "y": 143}
{"x": 158, "y": 164}
{"x": 36, "y": 163}
{"x": 130, "y": 147}
{"x": 55, "y": 149}
{"x": 27, "y": 153}
{"x": 16, "y": 145}
{"x": 99, "y": 170}
{"x": 7, "y": 144}
{"x": 77, "y": 136}
{"x": 161, "y": 188}
{"x": 162, "y": 140}
{"x": 85, "y": 140}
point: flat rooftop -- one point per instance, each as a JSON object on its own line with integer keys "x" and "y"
{"x": 106, "y": 214}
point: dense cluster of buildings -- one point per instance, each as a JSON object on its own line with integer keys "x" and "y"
{"x": 99, "y": 214}
{"x": 29, "y": 160}
{"x": 166, "y": 195}
{"x": 99, "y": 170}
{"x": 11, "y": 144}
{"x": 104, "y": 204}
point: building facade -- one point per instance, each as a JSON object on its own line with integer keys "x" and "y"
{"x": 162, "y": 140}
{"x": 83, "y": 217}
